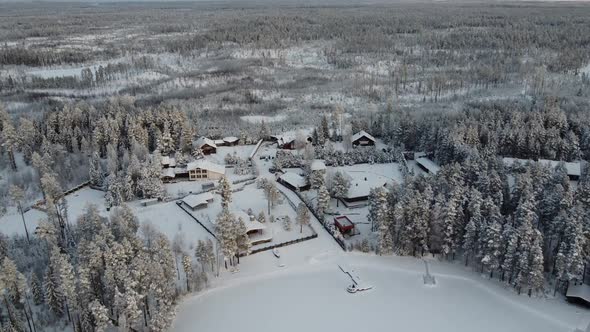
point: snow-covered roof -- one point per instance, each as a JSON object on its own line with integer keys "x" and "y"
{"x": 430, "y": 165}
{"x": 294, "y": 179}
{"x": 253, "y": 225}
{"x": 168, "y": 161}
{"x": 361, "y": 183}
{"x": 218, "y": 142}
{"x": 195, "y": 200}
{"x": 360, "y": 134}
{"x": 318, "y": 165}
{"x": 205, "y": 164}
{"x": 205, "y": 141}
{"x": 168, "y": 173}
{"x": 283, "y": 139}
{"x": 579, "y": 291}
{"x": 344, "y": 221}
{"x": 572, "y": 168}
{"x": 230, "y": 139}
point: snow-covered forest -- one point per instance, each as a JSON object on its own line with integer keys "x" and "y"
{"x": 119, "y": 98}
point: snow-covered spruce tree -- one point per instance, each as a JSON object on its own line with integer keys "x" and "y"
{"x": 340, "y": 186}
{"x": 378, "y": 207}
{"x": 95, "y": 172}
{"x": 471, "y": 239}
{"x": 452, "y": 220}
{"x": 385, "y": 245}
{"x": 323, "y": 201}
{"x": 261, "y": 217}
{"x": 272, "y": 195}
{"x": 100, "y": 315}
{"x": 317, "y": 179}
{"x": 17, "y": 196}
{"x": 492, "y": 241}
{"x": 227, "y": 235}
{"x": 36, "y": 289}
{"x": 287, "y": 223}
{"x": 242, "y": 238}
{"x": 303, "y": 216}
{"x": 536, "y": 278}
{"x": 150, "y": 185}
{"x": 225, "y": 192}
{"x": 13, "y": 289}
{"x": 187, "y": 267}
{"x": 53, "y": 296}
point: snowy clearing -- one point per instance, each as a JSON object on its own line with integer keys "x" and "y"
{"x": 313, "y": 297}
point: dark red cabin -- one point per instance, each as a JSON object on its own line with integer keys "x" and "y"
{"x": 344, "y": 224}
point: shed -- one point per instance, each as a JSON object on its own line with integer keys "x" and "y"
{"x": 293, "y": 181}
{"x": 362, "y": 138}
{"x": 427, "y": 165}
{"x": 231, "y": 140}
{"x": 149, "y": 201}
{"x": 168, "y": 174}
{"x": 206, "y": 145}
{"x": 578, "y": 293}
{"x": 198, "y": 201}
{"x": 344, "y": 225}
{"x": 318, "y": 165}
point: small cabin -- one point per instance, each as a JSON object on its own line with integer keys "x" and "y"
{"x": 362, "y": 138}
{"x": 344, "y": 225}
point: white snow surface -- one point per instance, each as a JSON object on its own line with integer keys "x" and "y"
{"x": 312, "y": 297}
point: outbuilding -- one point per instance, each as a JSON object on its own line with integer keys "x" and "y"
{"x": 344, "y": 225}
{"x": 293, "y": 181}
{"x": 206, "y": 145}
{"x": 231, "y": 141}
{"x": 362, "y": 138}
{"x": 198, "y": 201}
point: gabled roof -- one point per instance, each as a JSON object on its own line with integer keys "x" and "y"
{"x": 230, "y": 139}
{"x": 430, "y": 165}
{"x": 195, "y": 200}
{"x": 294, "y": 179}
{"x": 318, "y": 165}
{"x": 360, "y": 134}
{"x": 253, "y": 225}
{"x": 204, "y": 164}
{"x": 170, "y": 161}
{"x": 572, "y": 168}
{"x": 168, "y": 173}
{"x": 205, "y": 141}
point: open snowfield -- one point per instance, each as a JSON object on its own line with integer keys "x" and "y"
{"x": 312, "y": 297}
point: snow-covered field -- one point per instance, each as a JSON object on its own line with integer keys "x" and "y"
{"x": 312, "y": 297}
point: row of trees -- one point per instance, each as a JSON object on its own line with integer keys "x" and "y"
{"x": 536, "y": 231}
{"x": 112, "y": 273}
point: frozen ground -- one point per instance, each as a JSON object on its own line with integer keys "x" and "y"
{"x": 312, "y": 297}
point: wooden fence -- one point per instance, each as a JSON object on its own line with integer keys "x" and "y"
{"x": 283, "y": 244}
{"x": 197, "y": 220}
{"x": 321, "y": 220}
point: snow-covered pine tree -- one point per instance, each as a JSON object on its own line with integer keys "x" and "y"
{"x": 536, "y": 278}
{"x": 100, "y": 316}
{"x": 187, "y": 266}
{"x": 510, "y": 255}
{"x": 385, "y": 244}
{"x": 303, "y": 216}
{"x": 340, "y": 186}
{"x": 471, "y": 238}
{"x": 53, "y": 296}
{"x": 492, "y": 240}
{"x": 201, "y": 254}
{"x": 323, "y": 201}
{"x": 36, "y": 289}
{"x": 225, "y": 192}
{"x": 242, "y": 238}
